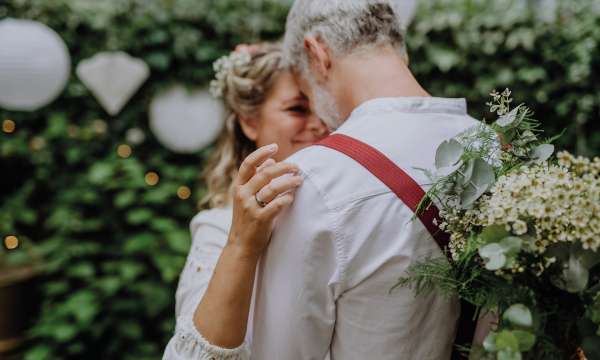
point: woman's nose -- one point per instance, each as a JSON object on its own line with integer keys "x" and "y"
{"x": 316, "y": 126}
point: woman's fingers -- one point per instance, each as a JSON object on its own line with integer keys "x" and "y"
{"x": 276, "y": 206}
{"x": 266, "y": 164}
{"x": 253, "y": 161}
{"x": 262, "y": 178}
{"x": 279, "y": 186}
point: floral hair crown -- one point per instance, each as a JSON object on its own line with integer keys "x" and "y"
{"x": 223, "y": 66}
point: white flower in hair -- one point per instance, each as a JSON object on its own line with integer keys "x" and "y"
{"x": 223, "y": 66}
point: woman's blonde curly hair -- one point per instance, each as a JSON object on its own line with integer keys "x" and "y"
{"x": 244, "y": 89}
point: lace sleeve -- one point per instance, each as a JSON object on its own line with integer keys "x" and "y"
{"x": 209, "y": 238}
{"x": 188, "y": 344}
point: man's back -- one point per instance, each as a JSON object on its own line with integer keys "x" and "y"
{"x": 324, "y": 283}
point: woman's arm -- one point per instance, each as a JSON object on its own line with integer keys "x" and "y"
{"x": 217, "y": 328}
{"x": 222, "y": 315}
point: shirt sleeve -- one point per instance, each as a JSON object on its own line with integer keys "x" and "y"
{"x": 188, "y": 343}
{"x": 298, "y": 283}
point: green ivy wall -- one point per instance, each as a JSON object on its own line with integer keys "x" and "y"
{"x": 114, "y": 245}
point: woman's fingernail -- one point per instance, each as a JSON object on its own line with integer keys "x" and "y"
{"x": 272, "y": 147}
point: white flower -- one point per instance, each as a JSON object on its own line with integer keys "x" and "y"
{"x": 519, "y": 227}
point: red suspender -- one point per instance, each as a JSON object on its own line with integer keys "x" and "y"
{"x": 391, "y": 175}
{"x": 411, "y": 194}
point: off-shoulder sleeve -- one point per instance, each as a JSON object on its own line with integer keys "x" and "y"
{"x": 209, "y": 234}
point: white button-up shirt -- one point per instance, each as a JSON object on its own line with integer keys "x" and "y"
{"x": 323, "y": 286}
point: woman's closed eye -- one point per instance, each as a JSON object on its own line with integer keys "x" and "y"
{"x": 298, "y": 109}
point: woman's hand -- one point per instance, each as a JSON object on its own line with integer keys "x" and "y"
{"x": 261, "y": 192}
{"x": 222, "y": 315}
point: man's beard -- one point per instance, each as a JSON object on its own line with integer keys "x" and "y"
{"x": 324, "y": 104}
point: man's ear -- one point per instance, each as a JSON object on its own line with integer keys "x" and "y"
{"x": 319, "y": 55}
{"x": 249, "y": 127}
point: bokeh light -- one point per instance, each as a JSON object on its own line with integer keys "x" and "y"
{"x": 8, "y": 126}
{"x": 184, "y": 192}
{"x": 152, "y": 178}
{"x": 124, "y": 151}
{"x": 11, "y": 242}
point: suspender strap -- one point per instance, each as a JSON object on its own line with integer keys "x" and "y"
{"x": 391, "y": 175}
{"x": 411, "y": 194}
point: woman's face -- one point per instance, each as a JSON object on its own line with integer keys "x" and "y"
{"x": 285, "y": 118}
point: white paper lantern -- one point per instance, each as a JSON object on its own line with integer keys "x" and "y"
{"x": 406, "y": 10}
{"x": 113, "y": 78}
{"x": 34, "y": 65}
{"x": 186, "y": 122}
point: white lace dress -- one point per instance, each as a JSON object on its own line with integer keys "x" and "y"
{"x": 209, "y": 230}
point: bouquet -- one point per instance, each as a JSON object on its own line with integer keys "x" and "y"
{"x": 524, "y": 231}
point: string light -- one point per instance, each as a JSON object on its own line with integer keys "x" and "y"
{"x": 151, "y": 178}
{"x": 11, "y": 242}
{"x": 99, "y": 126}
{"x": 8, "y": 126}
{"x": 73, "y": 131}
{"x": 124, "y": 151}
{"x": 184, "y": 192}
{"x": 37, "y": 143}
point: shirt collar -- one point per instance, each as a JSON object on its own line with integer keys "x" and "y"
{"x": 411, "y": 105}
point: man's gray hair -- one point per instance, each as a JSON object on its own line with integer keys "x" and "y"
{"x": 344, "y": 25}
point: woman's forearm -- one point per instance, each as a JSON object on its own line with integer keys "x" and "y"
{"x": 222, "y": 315}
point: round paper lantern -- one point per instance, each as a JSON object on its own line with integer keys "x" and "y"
{"x": 34, "y": 65}
{"x": 185, "y": 122}
{"x": 405, "y": 9}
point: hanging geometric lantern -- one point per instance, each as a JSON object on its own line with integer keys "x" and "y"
{"x": 113, "y": 78}
{"x": 34, "y": 65}
{"x": 405, "y": 9}
{"x": 186, "y": 122}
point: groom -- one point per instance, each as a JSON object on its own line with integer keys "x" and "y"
{"x": 324, "y": 284}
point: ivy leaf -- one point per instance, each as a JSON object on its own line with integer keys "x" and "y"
{"x": 448, "y": 153}
{"x": 493, "y": 255}
{"x": 518, "y": 315}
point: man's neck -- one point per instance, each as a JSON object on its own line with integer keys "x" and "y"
{"x": 372, "y": 75}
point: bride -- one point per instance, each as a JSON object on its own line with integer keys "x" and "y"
{"x": 268, "y": 120}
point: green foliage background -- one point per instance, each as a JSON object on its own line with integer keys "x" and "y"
{"x": 114, "y": 246}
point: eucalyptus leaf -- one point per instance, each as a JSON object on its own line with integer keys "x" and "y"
{"x": 466, "y": 173}
{"x": 508, "y": 354}
{"x": 542, "y": 152}
{"x": 493, "y": 255}
{"x": 506, "y": 340}
{"x": 518, "y": 315}
{"x": 525, "y": 338}
{"x": 587, "y": 257}
{"x": 448, "y": 170}
{"x": 448, "y": 153}
{"x": 512, "y": 245}
{"x": 481, "y": 180}
{"x": 489, "y": 343}
{"x": 493, "y": 233}
{"x": 591, "y": 347}
{"x": 574, "y": 277}
{"x": 508, "y": 118}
